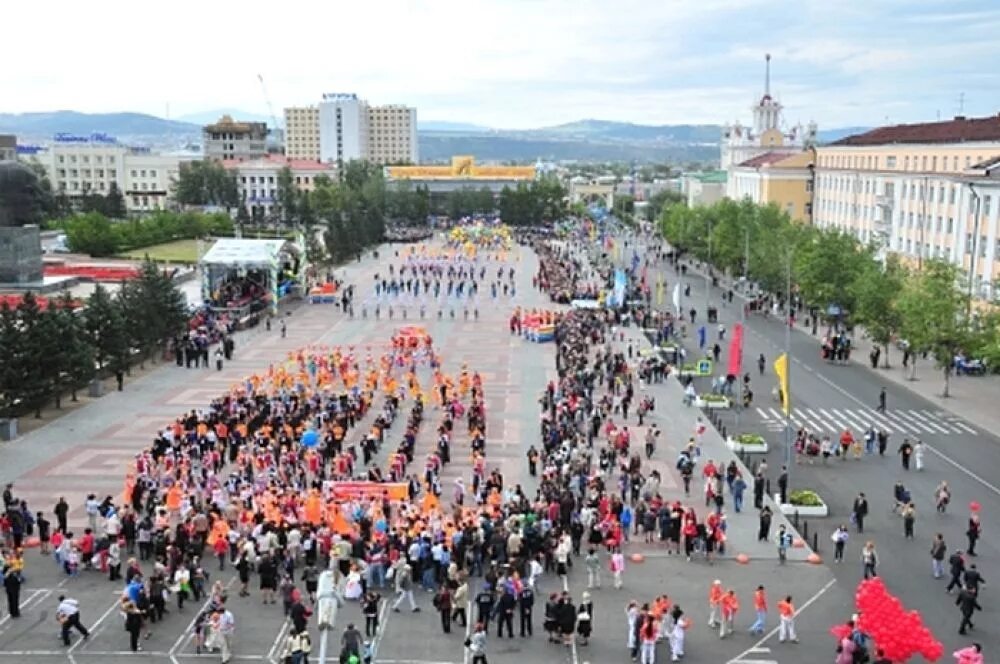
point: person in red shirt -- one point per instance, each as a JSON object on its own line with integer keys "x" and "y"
{"x": 786, "y": 611}
{"x": 86, "y": 545}
{"x": 715, "y": 594}
{"x": 760, "y": 608}
{"x": 730, "y": 606}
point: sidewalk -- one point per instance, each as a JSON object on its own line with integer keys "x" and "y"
{"x": 677, "y": 422}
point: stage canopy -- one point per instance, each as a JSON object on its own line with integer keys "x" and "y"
{"x": 246, "y": 252}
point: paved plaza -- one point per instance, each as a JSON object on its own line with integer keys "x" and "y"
{"x": 89, "y": 450}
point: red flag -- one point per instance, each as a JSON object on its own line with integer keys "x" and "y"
{"x": 736, "y": 351}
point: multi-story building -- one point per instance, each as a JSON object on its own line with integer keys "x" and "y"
{"x": 8, "y": 147}
{"x": 343, "y": 127}
{"x": 229, "y": 139}
{"x": 774, "y": 177}
{"x": 302, "y": 133}
{"x": 257, "y": 179}
{"x": 78, "y": 165}
{"x": 392, "y": 134}
{"x": 703, "y": 188}
{"x": 740, "y": 143}
{"x": 929, "y": 190}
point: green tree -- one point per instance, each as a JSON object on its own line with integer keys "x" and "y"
{"x": 15, "y": 363}
{"x": 932, "y": 310}
{"x": 106, "y": 330}
{"x": 206, "y": 183}
{"x": 38, "y": 369}
{"x": 77, "y": 353}
{"x": 92, "y": 233}
{"x": 875, "y": 292}
{"x": 826, "y": 266}
{"x": 114, "y": 205}
{"x": 287, "y": 196}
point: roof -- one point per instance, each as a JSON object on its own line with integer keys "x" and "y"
{"x": 959, "y": 130}
{"x": 765, "y": 159}
{"x": 986, "y": 164}
{"x": 279, "y": 161}
{"x": 779, "y": 160}
{"x": 226, "y": 123}
{"x": 709, "y": 177}
{"x": 245, "y": 252}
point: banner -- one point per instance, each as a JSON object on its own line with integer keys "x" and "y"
{"x": 736, "y": 351}
{"x": 357, "y": 490}
{"x": 677, "y": 297}
{"x": 659, "y": 293}
{"x": 618, "y": 293}
{"x": 781, "y": 370}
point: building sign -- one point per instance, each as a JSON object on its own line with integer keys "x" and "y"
{"x": 96, "y": 137}
{"x": 462, "y": 167}
{"x": 30, "y": 149}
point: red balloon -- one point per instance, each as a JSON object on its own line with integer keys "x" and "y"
{"x": 974, "y": 506}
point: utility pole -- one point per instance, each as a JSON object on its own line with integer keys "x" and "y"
{"x": 708, "y": 269}
{"x": 788, "y": 362}
{"x": 743, "y": 320}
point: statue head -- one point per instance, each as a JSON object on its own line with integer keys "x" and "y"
{"x": 21, "y": 195}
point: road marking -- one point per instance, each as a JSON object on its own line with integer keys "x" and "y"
{"x": 930, "y": 422}
{"x": 930, "y": 447}
{"x": 756, "y": 648}
{"x": 188, "y": 632}
{"x": 851, "y": 422}
{"x": 278, "y": 640}
{"x": 94, "y": 629}
{"x": 383, "y": 621}
{"x": 763, "y": 414}
{"x": 904, "y": 426}
{"x": 915, "y": 421}
{"x": 962, "y": 425}
{"x": 817, "y": 416}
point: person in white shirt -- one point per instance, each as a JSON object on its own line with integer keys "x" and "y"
{"x": 227, "y": 630}
{"x": 68, "y": 615}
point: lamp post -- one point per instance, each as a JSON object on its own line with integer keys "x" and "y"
{"x": 708, "y": 269}
{"x": 972, "y": 258}
{"x": 743, "y": 319}
{"x": 788, "y": 361}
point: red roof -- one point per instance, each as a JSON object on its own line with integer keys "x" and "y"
{"x": 765, "y": 159}
{"x": 959, "y": 130}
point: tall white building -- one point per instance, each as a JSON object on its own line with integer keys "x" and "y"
{"x": 343, "y": 127}
{"x": 741, "y": 143}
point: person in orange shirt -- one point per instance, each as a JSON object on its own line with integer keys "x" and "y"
{"x": 786, "y": 611}
{"x": 730, "y": 606}
{"x": 715, "y": 594}
{"x": 760, "y": 607}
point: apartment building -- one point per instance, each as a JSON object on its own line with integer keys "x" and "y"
{"x": 392, "y": 134}
{"x": 230, "y": 139}
{"x": 343, "y": 127}
{"x": 302, "y": 133}
{"x": 257, "y": 179}
{"x": 929, "y": 190}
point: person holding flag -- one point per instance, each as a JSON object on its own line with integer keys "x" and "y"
{"x": 781, "y": 371}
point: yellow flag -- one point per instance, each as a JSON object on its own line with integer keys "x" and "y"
{"x": 659, "y": 293}
{"x": 781, "y": 369}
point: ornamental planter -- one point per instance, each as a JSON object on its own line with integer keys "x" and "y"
{"x": 788, "y": 509}
{"x": 700, "y": 402}
{"x": 737, "y": 445}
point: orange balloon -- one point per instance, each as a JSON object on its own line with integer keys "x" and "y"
{"x": 814, "y": 558}
{"x": 637, "y": 557}
{"x": 798, "y": 543}
{"x": 742, "y": 559}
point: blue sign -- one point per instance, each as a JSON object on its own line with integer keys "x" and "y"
{"x": 96, "y": 137}
{"x": 30, "y": 149}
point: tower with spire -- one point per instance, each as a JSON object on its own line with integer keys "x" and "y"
{"x": 741, "y": 143}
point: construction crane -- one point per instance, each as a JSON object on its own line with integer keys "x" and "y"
{"x": 270, "y": 107}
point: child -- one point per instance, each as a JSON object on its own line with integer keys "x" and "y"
{"x": 618, "y": 567}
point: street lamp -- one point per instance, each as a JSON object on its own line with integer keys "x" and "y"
{"x": 975, "y": 239}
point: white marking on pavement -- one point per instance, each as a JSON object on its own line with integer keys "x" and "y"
{"x": 933, "y": 449}
{"x": 383, "y": 621}
{"x": 278, "y": 640}
{"x": 916, "y": 415}
{"x": 755, "y": 648}
{"x": 24, "y": 604}
{"x": 763, "y": 415}
{"x": 95, "y": 628}
{"x": 188, "y": 633}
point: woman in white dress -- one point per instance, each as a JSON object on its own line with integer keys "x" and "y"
{"x": 918, "y": 454}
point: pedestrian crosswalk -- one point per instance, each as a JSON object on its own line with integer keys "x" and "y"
{"x": 835, "y": 420}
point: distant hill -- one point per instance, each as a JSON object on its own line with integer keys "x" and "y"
{"x": 584, "y": 140}
{"x": 31, "y": 127}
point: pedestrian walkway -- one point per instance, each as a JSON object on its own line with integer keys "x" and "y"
{"x": 836, "y": 420}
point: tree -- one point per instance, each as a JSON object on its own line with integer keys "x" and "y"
{"x": 78, "y": 353}
{"x": 92, "y": 233}
{"x": 826, "y": 266}
{"x": 875, "y": 292}
{"x": 206, "y": 183}
{"x": 933, "y": 310}
{"x": 287, "y": 196}
{"x": 105, "y": 326}
{"x": 14, "y": 366}
{"x": 36, "y": 350}
{"x": 114, "y": 205}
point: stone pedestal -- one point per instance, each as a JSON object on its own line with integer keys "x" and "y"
{"x": 8, "y": 428}
{"x": 20, "y": 256}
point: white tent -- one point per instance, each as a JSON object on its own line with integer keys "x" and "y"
{"x": 245, "y": 252}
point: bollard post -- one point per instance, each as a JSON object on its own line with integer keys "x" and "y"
{"x": 723, "y": 433}
{"x": 768, "y": 485}
{"x": 795, "y": 519}
{"x": 815, "y": 542}
{"x": 805, "y": 530}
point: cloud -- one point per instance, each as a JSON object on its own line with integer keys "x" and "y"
{"x": 512, "y": 63}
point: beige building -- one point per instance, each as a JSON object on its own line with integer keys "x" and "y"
{"x": 230, "y": 139}
{"x": 392, "y": 134}
{"x": 257, "y": 179}
{"x": 343, "y": 127}
{"x": 775, "y": 177}
{"x": 929, "y": 190}
{"x": 302, "y": 133}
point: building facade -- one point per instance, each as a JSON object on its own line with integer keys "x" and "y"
{"x": 8, "y": 147}
{"x": 741, "y": 143}
{"x": 929, "y": 190}
{"x": 257, "y": 179}
{"x": 703, "y": 188}
{"x": 78, "y": 166}
{"x": 392, "y": 134}
{"x": 228, "y": 140}
{"x": 343, "y": 127}
{"x": 776, "y": 178}
{"x": 302, "y": 133}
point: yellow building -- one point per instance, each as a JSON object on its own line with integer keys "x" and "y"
{"x": 929, "y": 190}
{"x": 778, "y": 178}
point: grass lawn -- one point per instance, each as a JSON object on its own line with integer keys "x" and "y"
{"x": 178, "y": 251}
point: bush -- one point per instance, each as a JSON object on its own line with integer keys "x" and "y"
{"x": 713, "y": 398}
{"x": 95, "y": 234}
{"x": 750, "y": 439}
{"x": 804, "y": 498}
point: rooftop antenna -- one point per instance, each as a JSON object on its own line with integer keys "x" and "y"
{"x": 767, "y": 74}
{"x": 961, "y": 103}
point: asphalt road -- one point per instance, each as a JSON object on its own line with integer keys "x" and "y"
{"x": 828, "y": 397}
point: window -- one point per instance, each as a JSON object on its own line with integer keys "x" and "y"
{"x": 982, "y": 246}
{"x": 910, "y": 220}
{"x": 986, "y": 205}
{"x": 954, "y": 163}
{"x": 923, "y": 163}
{"x": 99, "y": 159}
{"x": 939, "y": 224}
{"x": 968, "y": 243}
{"x": 951, "y": 225}
{"x": 941, "y": 194}
{"x": 996, "y": 251}
{"x": 933, "y": 163}
{"x": 906, "y": 163}
{"x": 85, "y": 159}
{"x": 62, "y": 159}
{"x": 113, "y": 173}
{"x": 134, "y": 173}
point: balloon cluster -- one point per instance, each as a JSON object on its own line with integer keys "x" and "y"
{"x": 900, "y": 634}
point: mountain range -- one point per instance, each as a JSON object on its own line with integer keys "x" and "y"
{"x": 584, "y": 140}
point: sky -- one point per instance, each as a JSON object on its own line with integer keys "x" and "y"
{"x": 511, "y": 63}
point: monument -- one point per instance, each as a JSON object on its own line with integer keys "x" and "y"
{"x": 20, "y": 236}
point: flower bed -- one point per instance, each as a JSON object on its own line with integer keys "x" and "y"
{"x": 712, "y": 401}
{"x": 751, "y": 443}
{"x": 804, "y": 501}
